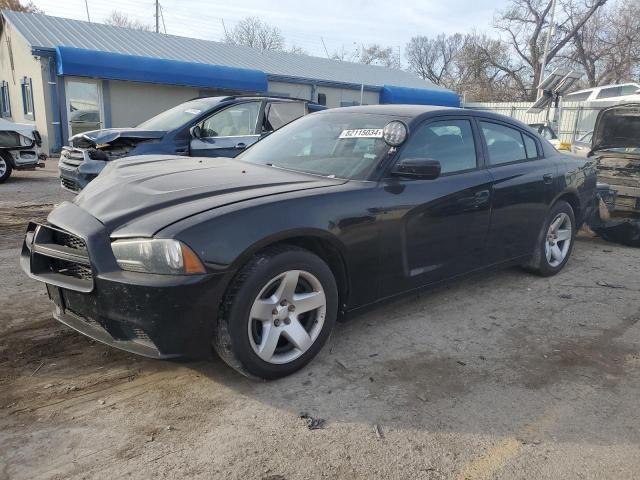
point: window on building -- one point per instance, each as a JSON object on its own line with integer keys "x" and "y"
{"x": 450, "y": 142}
{"x": 5, "y": 104}
{"x": 322, "y": 99}
{"x": 27, "y": 98}
{"x": 505, "y": 144}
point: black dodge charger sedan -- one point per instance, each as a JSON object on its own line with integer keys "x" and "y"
{"x": 335, "y": 212}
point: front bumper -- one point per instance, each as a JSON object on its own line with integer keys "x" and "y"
{"x": 77, "y": 169}
{"x": 159, "y": 316}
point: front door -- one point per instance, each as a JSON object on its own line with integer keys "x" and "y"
{"x": 84, "y": 105}
{"x": 437, "y": 229}
{"x": 227, "y": 132}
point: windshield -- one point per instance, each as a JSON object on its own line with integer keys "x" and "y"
{"x": 316, "y": 144}
{"x": 177, "y": 116}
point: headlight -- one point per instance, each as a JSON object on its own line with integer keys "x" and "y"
{"x": 162, "y": 256}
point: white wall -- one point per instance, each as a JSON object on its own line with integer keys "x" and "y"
{"x": 337, "y": 95}
{"x": 26, "y": 65}
{"x": 291, "y": 89}
{"x": 132, "y": 102}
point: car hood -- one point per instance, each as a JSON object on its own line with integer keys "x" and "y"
{"x": 618, "y": 127}
{"x": 109, "y": 135}
{"x": 142, "y": 195}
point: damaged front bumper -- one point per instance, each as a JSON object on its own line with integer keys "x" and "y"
{"x": 77, "y": 168}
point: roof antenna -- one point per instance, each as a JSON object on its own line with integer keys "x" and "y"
{"x": 325, "y": 47}
{"x": 86, "y": 4}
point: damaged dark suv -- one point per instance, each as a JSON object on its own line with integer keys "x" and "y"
{"x": 203, "y": 127}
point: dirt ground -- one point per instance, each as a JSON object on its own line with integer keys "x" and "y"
{"x": 505, "y": 376}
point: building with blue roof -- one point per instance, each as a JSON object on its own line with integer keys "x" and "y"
{"x": 67, "y": 76}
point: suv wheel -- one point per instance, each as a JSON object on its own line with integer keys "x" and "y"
{"x": 277, "y": 314}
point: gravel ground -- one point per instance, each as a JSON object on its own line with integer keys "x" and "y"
{"x": 505, "y": 376}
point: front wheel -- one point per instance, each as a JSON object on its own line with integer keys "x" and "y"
{"x": 5, "y": 167}
{"x": 278, "y": 313}
{"x": 555, "y": 242}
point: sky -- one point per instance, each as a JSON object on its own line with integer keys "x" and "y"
{"x": 341, "y": 24}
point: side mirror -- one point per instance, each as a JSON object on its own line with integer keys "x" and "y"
{"x": 196, "y": 131}
{"x": 419, "y": 168}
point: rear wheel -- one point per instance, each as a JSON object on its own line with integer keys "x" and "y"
{"x": 555, "y": 242}
{"x": 5, "y": 167}
{"x": 278, "y": 313}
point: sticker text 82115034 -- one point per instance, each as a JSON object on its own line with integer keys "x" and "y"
{"x": 362, "y": 133}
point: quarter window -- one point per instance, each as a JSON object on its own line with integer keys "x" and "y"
{"x": 27, "y": 98}
{"x": 279, "y": 114}
{"x": 237, "y": 120}
{"x": 5, "y": 105}
{"x": 577, "y": 97}
{"x": 449, "y": 141}
{"x": 505, "y": 144}
{"x": 530, "y": 146}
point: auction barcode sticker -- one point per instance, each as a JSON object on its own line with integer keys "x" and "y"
{"x": 362, "y": 133}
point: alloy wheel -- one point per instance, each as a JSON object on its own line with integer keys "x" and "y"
{"x": 287, "y": 316}
{"x": 3, "y": 166}
{"x": 558, "y": 241}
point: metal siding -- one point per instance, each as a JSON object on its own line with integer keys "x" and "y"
{"x": 49, "y": 32}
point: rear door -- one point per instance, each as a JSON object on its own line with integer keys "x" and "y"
{"x": 228, "y": 131}
{"x": 278, "y": 114}
{"x": 523, "y": 186}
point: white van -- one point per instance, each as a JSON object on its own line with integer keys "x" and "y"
{"x": 606, "y": 92}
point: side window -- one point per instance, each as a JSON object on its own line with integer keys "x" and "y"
{"x": 577, "y": 97}
{"x": 505, "y": 144}
{"x": 27, "y": 98}
{"x": 448, "y": 141}
{"x": 322, "y": 99}
{"x": 5, "y": 105}
{"x": 233, "y": 121}
{"x": 279, "y": 114}
{"x": 530, "y": 146}
{"x": 610, "y": 92}
{"x": 629, "y": 89}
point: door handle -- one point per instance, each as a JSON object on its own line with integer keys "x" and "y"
{"x": 548, "y": 178}
{"x": 482, "y": 197}
{"x": 241, "y": 145}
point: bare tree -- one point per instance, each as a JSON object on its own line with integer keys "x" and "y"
{"x": 253, "y": 32}
{"x": 374, "y": 54}
{"x": 523, "y": 24}
{"x": 607, "y": 48}
{"x": 119, "y": 19}
{"x": 434, "y": 58}
{"x": 298, "y": 50}
{"x": 18, "y": 6}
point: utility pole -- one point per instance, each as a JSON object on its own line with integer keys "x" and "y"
{"x": 546, "y": 45}
{"x": 157, "y": 16}
{"x": 86, "y": 4}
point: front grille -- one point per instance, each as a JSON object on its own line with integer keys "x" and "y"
{"x": 71, "y": 269}
{"x": 69, "y": 185}
{"x": 59, "y": 257}
{"x": 72, "y": 156}
{"x": 66, "y": 239}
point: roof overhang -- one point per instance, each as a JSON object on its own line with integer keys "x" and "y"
{"x": 419, "y": 96}
{"x": 118, "y": 66}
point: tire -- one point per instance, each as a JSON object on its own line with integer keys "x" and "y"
{"x": 258, "y": 330}
{"x": 547, "y": 260}
{"x": 5, "y": 167}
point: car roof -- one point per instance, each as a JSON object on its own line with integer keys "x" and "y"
{"x": 228, "y": 98}
{"x": 395, "y": 109}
